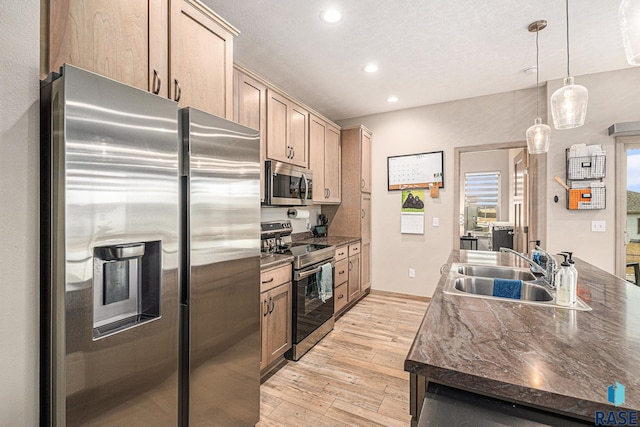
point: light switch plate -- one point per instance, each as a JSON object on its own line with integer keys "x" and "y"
{"x": 412, "y": 272}
{"x": 436, "y": 221}
{"x": 598, "y": 226}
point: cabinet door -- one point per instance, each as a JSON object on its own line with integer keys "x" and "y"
{"x": 279, "y": 328}
{"x": 366, "y": 163}
{"x": 299, "y": 135}
{"x": 278, "y": 127}
{"x": 201, "y": 60}
{"x": 317, "y": 133}
{"x": 264, "y": 329}
{"x": 111, "y": 38}
{"x": 365, "y": 268}
{"x": 353, "y": 285}
{"x": 332, "y": 164}
{"x": 251, "y": 110}
{"x": 365, "y": 217}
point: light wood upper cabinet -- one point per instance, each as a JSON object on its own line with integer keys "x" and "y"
{"x": 324, "y": 160}
{"x": 366, "y": 161}
{"x": 287, "y": 130}
{"x": 175, "y": 48}
{"x": 201, "y": 59}
{"x": 119, "y": 39}
{"x": 250, "y": 97}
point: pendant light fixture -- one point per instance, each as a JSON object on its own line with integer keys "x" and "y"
{"x": 569, "y": 103}
{"x": 629, "y": 19}
{"x": 538, "y": 134}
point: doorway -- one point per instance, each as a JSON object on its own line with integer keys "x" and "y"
{"x": 505, "y": 176}
{"x": 628, "y": 205}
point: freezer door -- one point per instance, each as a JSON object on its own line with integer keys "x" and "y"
{"x": 110, "y": 205}
{"x": 222, "y": 162}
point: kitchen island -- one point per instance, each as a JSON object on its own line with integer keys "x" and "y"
{"x": 556, "y": 359}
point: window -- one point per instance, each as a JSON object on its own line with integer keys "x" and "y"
{"x": 481, "y": 200}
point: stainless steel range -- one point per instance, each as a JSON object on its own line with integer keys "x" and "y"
{"x": 312, "y": 318}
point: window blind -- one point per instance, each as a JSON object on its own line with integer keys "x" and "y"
{"x": 482, "y": 189}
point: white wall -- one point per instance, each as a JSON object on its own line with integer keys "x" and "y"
{"x": 19, "y": 187}
{"x": 613, "y": 97}
{"x": 489, "y": 119}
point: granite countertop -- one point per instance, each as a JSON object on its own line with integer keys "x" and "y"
{"x": 268, "y": 261}
{"x": 559, "y": 359}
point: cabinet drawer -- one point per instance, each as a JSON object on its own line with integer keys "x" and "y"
{"x": 342, "y": 271}
{"x": 342, "y": 252}
{"x": 354, "y": 249}
{"x": 339, "y": 297}
{"x": 271, "y": 278}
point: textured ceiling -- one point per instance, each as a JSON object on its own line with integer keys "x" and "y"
{"x": 428, "y": 51}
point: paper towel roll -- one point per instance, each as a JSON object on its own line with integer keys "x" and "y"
{"x": 298, "y": 213}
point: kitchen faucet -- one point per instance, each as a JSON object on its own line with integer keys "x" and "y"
{"x": 552, "y": 267}
{"x": 547, "y": 275}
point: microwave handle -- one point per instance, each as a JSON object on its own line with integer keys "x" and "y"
{"x": 306, "y": 187}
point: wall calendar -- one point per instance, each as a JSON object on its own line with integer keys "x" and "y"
{"x": 415, "y": 171}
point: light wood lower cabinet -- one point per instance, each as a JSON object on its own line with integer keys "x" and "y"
{"x": 354, "y": 276}
{"x": 275, "y": 306}
{"x": 365, "y": 266}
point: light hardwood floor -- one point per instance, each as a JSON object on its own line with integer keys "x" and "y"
{"x": 354, "y": 376}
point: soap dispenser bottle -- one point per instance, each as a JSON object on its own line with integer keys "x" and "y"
{"x": 565, "y": 291}
{"x": 537, "y": 255}
{"x": 572, "y": 265}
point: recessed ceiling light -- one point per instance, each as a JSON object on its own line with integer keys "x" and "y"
{"x": 370, "y": 68}
{"x": 392, "y": 99}
{"x": 331, "y": 16}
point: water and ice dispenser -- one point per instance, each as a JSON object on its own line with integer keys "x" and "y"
{"x": 126, "y": 286}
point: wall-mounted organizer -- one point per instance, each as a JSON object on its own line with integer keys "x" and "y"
{"x": 586, "y": 167}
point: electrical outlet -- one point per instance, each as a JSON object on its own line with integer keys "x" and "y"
{"x": 598, "y": 226}
{"x": 436, "y": 221}
{"x": 412, "y": 273}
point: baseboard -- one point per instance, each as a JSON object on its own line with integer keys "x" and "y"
{"x": 399, "y": 295}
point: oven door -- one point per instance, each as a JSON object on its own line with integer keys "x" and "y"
{"x": 288, "y": 185}
{"x": 309, "y": 312}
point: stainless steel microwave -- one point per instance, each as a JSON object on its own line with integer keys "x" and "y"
{"x": 287, "y": 185}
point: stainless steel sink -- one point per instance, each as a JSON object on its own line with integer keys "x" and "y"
{"x": 495, "y": 272}
{"x": 484, "y": 286}
{"x": 477, "y": 281}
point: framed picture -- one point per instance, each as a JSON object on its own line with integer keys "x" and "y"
{"x": 423, "y": 170}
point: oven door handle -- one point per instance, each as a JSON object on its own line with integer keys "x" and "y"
{"x": 299, "y": 276}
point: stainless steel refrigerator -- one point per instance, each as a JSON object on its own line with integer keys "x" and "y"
{"x": 149, "y": 260}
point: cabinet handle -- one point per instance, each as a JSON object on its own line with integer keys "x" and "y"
{"x": 273, "y": 305}
{"x": 156, "y": 82}
{"x": 266, "y": 308}
{"x": 341, "y": 296}
{"x": 329, "y": 193}
{"x": 293, "y": 153}
{"x": 178, "y": 90}
{"x": 362, "y": 213}
{"x": 267, "y": 281}
{"x": 350, "y": 265}
{"x": 342, "y": 272}
{"x": 362, "y": 183}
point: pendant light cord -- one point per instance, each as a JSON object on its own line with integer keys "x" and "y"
{"x": 537, "y": 76}
{"x": 567, "y": 12}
